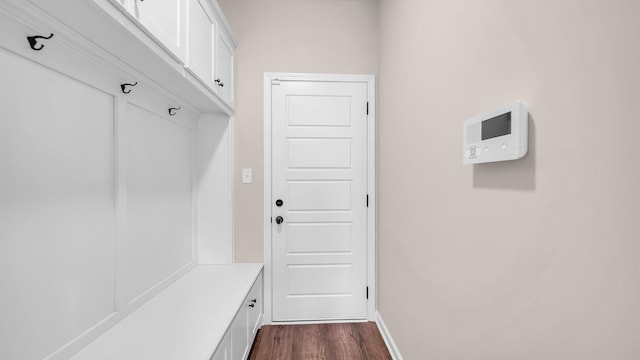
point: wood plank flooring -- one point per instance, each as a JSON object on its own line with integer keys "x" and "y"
{"x": 353, "y": 341}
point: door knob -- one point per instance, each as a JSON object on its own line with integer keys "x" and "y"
{"x": 279, "y": 220}
{"x": 279, "y": 202}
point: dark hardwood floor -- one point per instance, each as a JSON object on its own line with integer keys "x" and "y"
{"x": 352, "y": 341}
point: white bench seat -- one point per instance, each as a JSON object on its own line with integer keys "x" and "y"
{"x": 186, "y": 321}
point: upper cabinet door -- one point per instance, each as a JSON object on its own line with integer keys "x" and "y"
{"x": 201, "y": 37}
{"x": 165, "y": 20}
{"x": 224, "y": 67}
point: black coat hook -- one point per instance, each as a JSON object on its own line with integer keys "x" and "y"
{"x": 172, "y": 111}
{"x": 124, "y": 87}
{"x": 33, "y": 41}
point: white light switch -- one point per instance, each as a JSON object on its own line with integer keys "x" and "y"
{"x": 246, "y": 176}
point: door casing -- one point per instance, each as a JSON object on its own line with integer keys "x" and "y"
{"x": 371, "y": 183}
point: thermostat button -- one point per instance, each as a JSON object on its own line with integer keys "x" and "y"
{"x": 473, "y": 152}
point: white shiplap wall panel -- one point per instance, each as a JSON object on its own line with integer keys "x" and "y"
{"x": 158, "y": 231}
{"x": 56, "y": 208}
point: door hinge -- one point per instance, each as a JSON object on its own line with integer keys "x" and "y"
{"x": 367, "y": 293}
{"x": 367, "y": 108}
{"x": 367, "y": 200}
{"x": 272, "y": 219}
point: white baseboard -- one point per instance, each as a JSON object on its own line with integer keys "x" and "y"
{"x": 388, "y": 340}
{"x": 315, "y": 322}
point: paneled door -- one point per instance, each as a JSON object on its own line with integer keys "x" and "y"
{"x": 319, "y": 194}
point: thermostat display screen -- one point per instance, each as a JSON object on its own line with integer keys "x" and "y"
{"x": 496, "y": 126}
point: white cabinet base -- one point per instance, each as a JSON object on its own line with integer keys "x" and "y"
{"x": 247, "y": 322}
{"x": 193, "y": 319}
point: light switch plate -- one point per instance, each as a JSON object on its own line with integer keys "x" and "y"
{"x": 246, "y": 176}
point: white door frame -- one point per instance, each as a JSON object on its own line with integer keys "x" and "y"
{"x": 371, "y": 257}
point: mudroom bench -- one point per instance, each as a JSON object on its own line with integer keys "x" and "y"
{"x": 212, "y": 312}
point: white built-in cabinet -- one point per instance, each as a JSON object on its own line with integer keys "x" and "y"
{"x": 237, "y": 342}
{"x": 116, "y": 146}
{"x": 195, "y": 32}
{"x": 211, "y": 46}
{"x": 245, "y": 325}
{"x": 169, "y": 41}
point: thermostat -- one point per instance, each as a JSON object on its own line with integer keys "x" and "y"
{"x": 497, "y": 135}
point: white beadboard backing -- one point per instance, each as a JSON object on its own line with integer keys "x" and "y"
{"x": 56, "y": 208}
{"x": 158, "y": 236}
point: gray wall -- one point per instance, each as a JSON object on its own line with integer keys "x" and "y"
{"x": 532, "y": 259}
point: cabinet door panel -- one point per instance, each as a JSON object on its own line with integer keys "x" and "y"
{"x": 225, "y": 67}
{"x": 56, "y": 207}
{"x": 165, "y": 20}
{"x": 201, "y": 35}
{"x": 239, "y": 341}
{"x": 224, "y": 349}
{"x": 255, "y": 312}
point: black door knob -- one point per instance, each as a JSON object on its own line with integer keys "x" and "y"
{"x": 279, "y": 220}
{"x": 279, "y": 202}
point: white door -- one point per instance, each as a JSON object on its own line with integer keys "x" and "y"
{"x": 319, "y": 172}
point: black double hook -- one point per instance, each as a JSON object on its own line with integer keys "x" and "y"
{"x": 33, "y": 40}
{"x": 172, "y": 111}
{"x": 124, "y": 87}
